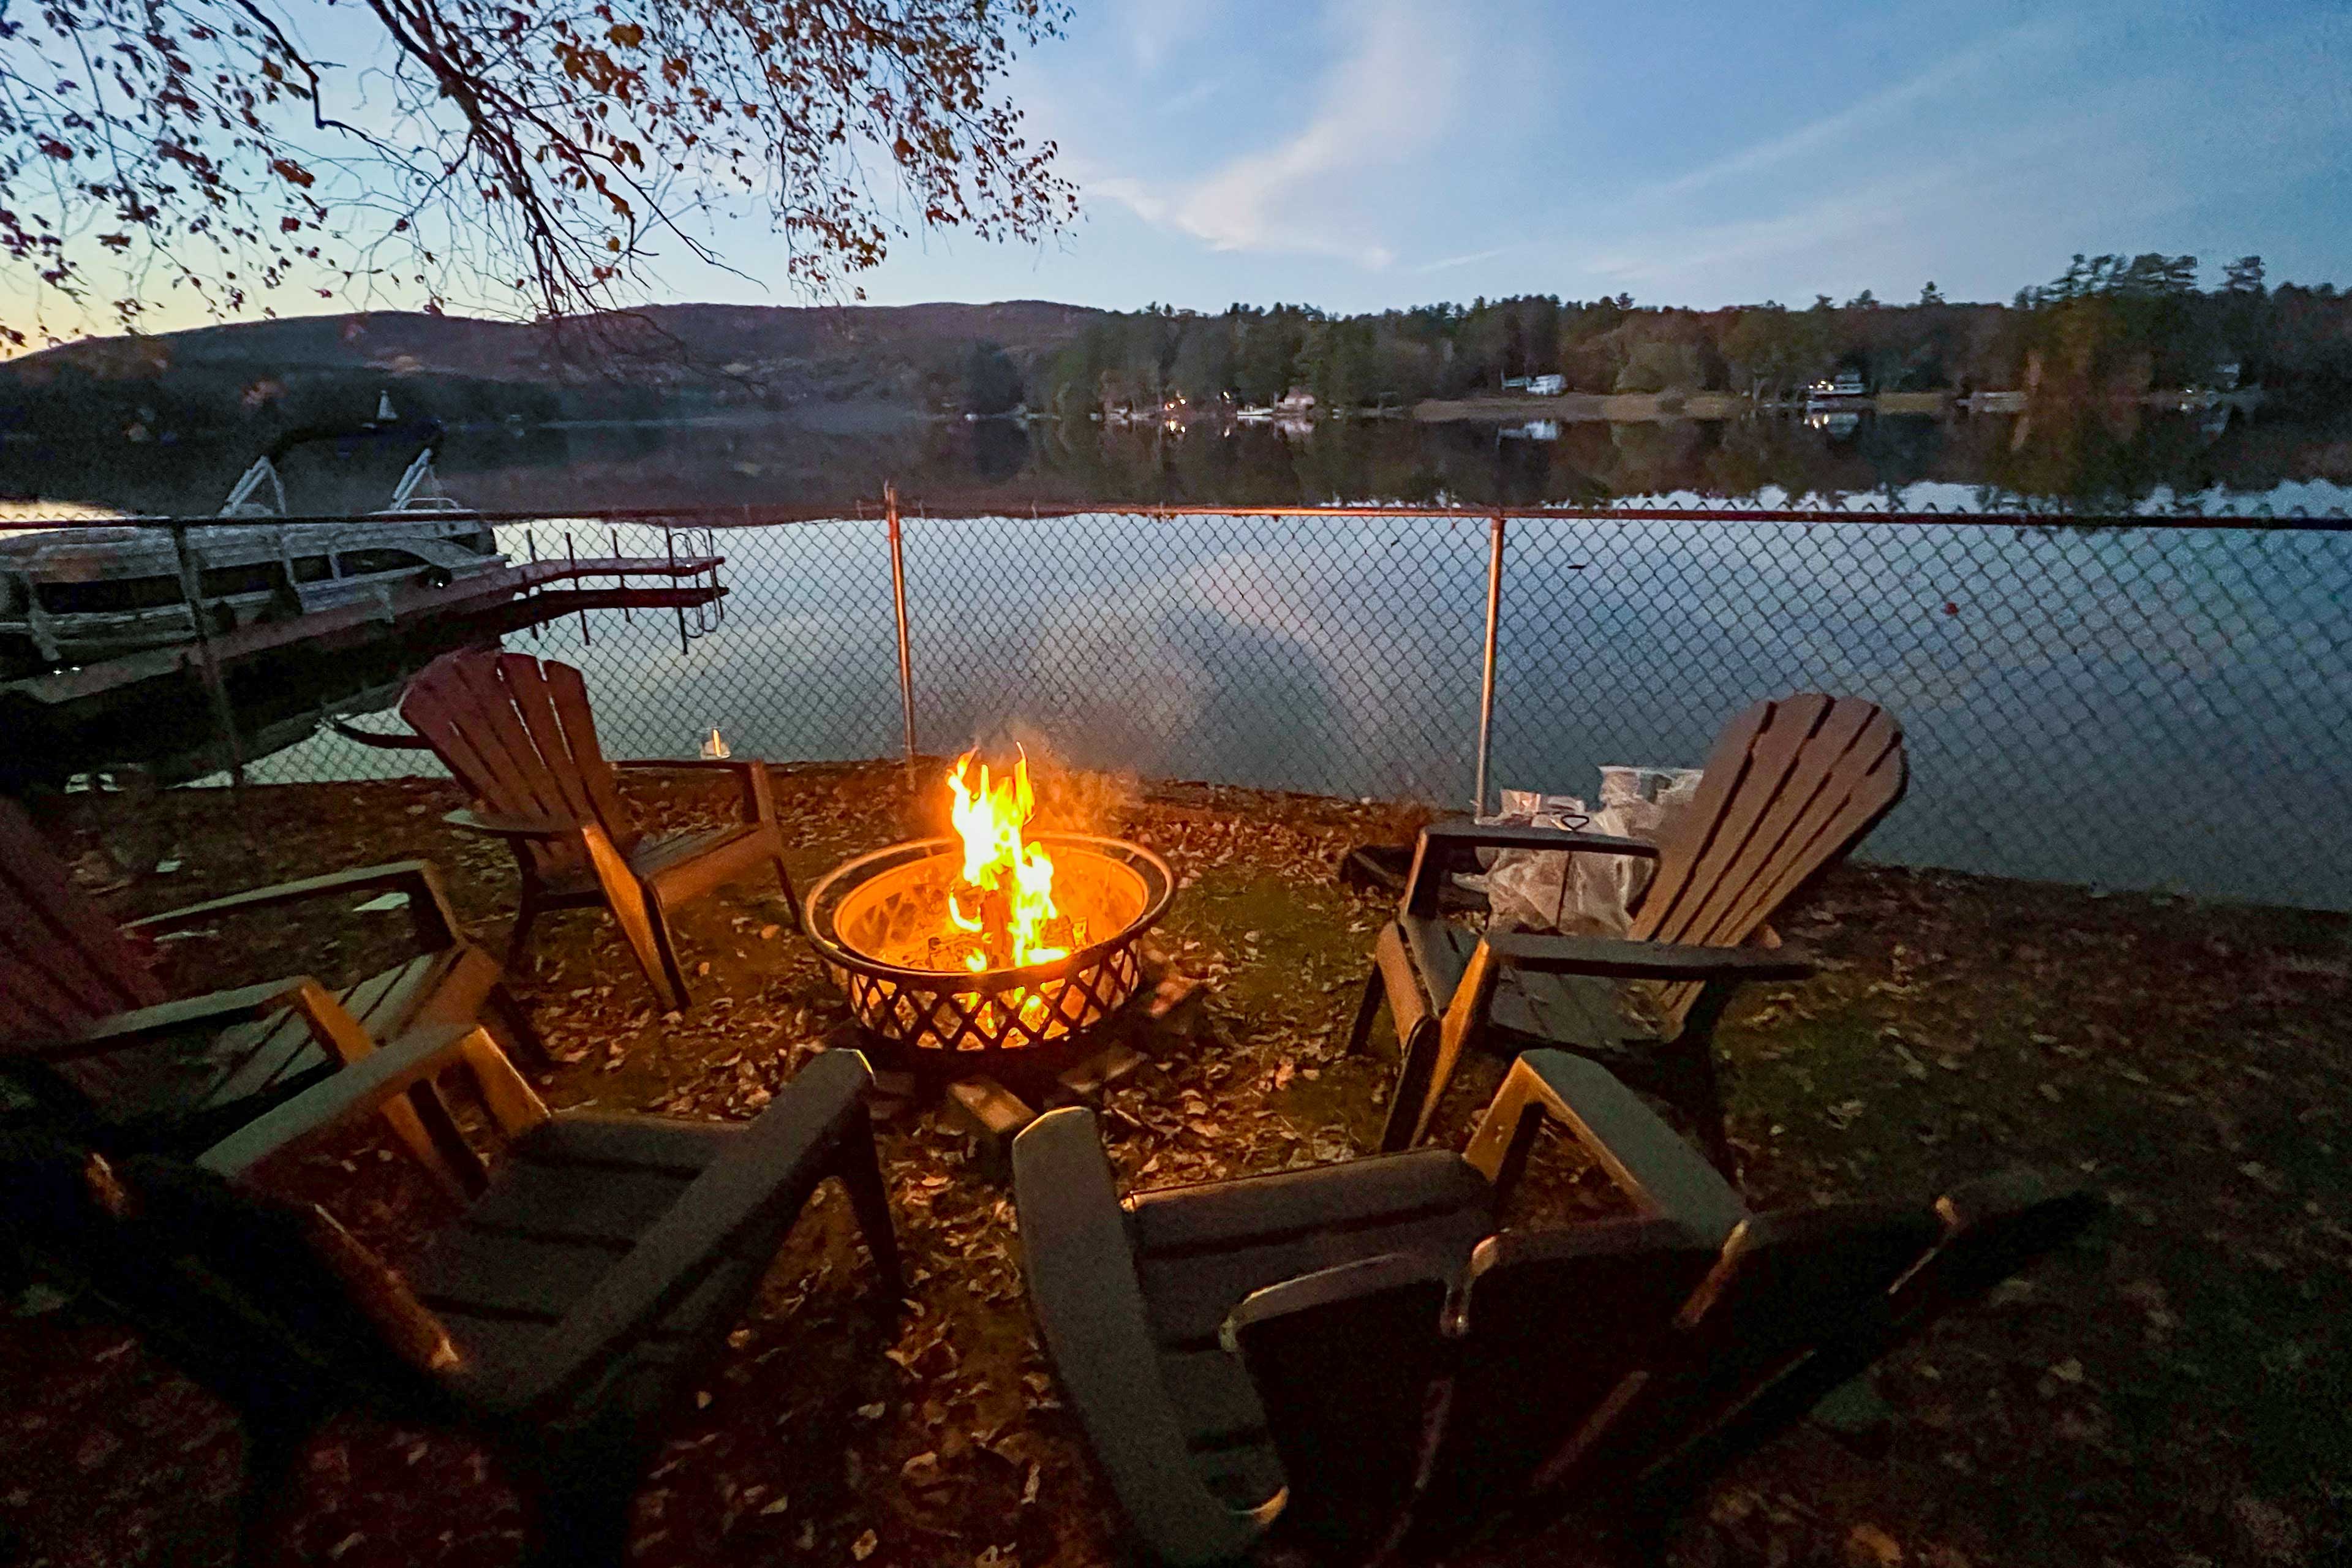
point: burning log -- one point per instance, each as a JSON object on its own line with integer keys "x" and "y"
{"x": 932, "y": 940}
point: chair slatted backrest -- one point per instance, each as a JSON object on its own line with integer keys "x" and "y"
{"x": 1559, "y": 1328}
{"x": 1792, "y": 786}
{"x": 1992, "y": 1230}
{"x": 1347, "y": 1363}
{"x": 519, "y": 736}
{"x": 1785, "y": 1287}
{"x": 63, "y": 964}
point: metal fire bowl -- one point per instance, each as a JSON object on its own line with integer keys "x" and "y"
{"x": 869, "y": 914}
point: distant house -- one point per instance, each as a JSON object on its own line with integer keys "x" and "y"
{"x": 1847, "y": 384}
{"x": 1547, "y": 385}
{"x": 1515, "y": 383}
{"x": 1296, "y": 401}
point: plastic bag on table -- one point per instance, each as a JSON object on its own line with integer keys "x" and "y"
{"x": 1587, "y": 894}
{"x": 1525, "y": 887}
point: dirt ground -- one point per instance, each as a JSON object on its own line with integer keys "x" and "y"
{"x": 2173, "y": 1392}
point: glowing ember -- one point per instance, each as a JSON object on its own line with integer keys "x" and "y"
{"x": 1002, "y": 912}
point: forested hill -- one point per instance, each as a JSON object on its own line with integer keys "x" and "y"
{"x": 664, "y": 360}
{"x": 2107, "y": 326}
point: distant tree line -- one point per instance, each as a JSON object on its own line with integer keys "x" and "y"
{"x": 2108, "y": 325}
{"x": 66, "y": 401}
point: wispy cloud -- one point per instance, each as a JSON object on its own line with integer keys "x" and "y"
{"x": 1447, "y": 264}
{"x": 2127, "y": 163}
{"x": 1194, "y": 96}
{"x": 1316, "y": 192}
{"x": 1155, "y": 28}
{"x": 1834, "y": 131}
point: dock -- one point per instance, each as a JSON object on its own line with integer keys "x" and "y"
{"x": 496, "y": 595}
{"x": 277, "y": 681}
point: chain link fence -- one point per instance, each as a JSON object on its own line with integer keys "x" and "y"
{"x": 2131, "y": 703}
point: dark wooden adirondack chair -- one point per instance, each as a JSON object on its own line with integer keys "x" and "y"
{"x": 1132, "y": 1298}
{"x": 557, "y": 1319}
{"x": 1666, "y": 1373}
{"x": 519, "y": 735}
{"x": 86, "y": 1028}
{"x": 1791, "y": 786}
{"x": 1344, "y": 1408}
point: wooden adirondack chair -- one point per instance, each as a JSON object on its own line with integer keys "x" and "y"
{"x": 86, "y": 1028}
{"x": 1132, "y": 1298}
{"x": 1791, "y": 786}
{"x": 1657, "y": 1383}
{"x": 557, "y": 1319}
{"x": 519, "y": 735}
{"x": 1372, "y": 1386}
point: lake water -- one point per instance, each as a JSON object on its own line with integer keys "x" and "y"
{"x": 2131, "y": 707}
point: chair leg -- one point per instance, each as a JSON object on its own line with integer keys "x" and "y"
{"x": 1706, "y": 1111}
{"x": 517, "y": 1035}
{"x": 421, "y": 1117}
{"x": 1368, "y": 1007}
{"x": 1416, "y": 1062}
{"x": 521, "y": 932}
{"x": 861, "y": 1175}
{"x": 1462, "y": 1026}
{"x": 272, "y": 1443}
{"x": 674, "y": 978}
{"x": 585, "y": 1496}
{"x": 792, "y": 898}
{"x": 1681, "y": 1072}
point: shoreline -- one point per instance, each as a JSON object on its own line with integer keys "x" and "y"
{"x": 1641, "y": 407}
{"x": 1654, "y": 408}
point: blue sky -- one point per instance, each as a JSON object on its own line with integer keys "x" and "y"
{"x": 1362, "y": 154}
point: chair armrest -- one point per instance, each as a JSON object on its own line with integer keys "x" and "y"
{"x": 361, "y": 1086}
{"x": 752, "y": 772}
{"x": 766, "y": 1173}
{"x": 1647, "y": 1159}
{"x": 1547, "y": 954}
{"x": 1441, "y": 840}
{"x": 429, "y": 910}
{"x": 215, "y": 1010}
{"x": 510, "y": 826}
{"x": 1076, "y": 1260}
{"x": 1505, "y": 835}
{"x": 382, "y": 739}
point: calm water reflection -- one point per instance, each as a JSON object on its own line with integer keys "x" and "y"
{"x": 2139, "y": 707}
{"x": 2112, "y": 459}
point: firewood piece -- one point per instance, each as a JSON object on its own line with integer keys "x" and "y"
{"x": 1088, "y": 1081}
{"x": 992, "y": 1114}
{"x": 1173, "y": 1015}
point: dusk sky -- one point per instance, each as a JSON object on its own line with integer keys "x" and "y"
{"x": 1362, "y": 154}
{"x": 1357, "y": 154}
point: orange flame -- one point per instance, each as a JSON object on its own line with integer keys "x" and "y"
{"x": 1007, "y": 898}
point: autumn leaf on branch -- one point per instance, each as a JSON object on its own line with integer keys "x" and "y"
{"x": 532, "y": 156}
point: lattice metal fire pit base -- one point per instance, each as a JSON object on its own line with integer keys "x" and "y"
{"x": 879, "y": 921}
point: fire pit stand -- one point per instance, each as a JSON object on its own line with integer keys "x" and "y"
{"x": 871, "y": 918}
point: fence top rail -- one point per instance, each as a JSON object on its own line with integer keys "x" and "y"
{"x": 2262, "y": 517}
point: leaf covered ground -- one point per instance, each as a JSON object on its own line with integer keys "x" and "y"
{"x": 2175, "y": 1391}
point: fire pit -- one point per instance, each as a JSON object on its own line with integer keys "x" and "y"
{"x": 994, "y": 950}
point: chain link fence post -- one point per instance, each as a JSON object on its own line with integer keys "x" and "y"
{"x": 898, "y": 609}
{"x": 191, "y": 590}
{"x": 1495, "y": 540}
